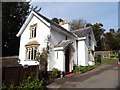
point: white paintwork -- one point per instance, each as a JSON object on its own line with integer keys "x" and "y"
{"x": 66, "y": 26}
{"x": 42, "y": 32}
{"x": 56, "y": 37}
{"x": 81, "y": 53}
{"x": 78, "y": 55}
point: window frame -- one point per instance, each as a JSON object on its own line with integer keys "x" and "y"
{"x": 33, "y": 29}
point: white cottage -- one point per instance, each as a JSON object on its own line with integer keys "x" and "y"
{"x": 67, "y": 48}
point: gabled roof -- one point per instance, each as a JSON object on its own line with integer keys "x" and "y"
{"x": 82, "y": 32}
{"x": 53, "y": 24}
{"x": 63, "y": 43}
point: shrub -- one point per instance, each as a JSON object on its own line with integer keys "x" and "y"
{"x": 99, "y": 58}
{"x": 77, "y": 69}
{"x": 54, "y": 73}
{"x": 29, "y": 83}
{"x": 83, "y": 69}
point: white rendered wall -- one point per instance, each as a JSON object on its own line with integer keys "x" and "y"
{"x": 42, "y": 32}
{"x": 59, "y": 60}
{"x": 56, "y": 37}
{"x": 59, "y": 63}
{"x": 86, "y": 52}
{"x": 66, "y": 26}
{"x": 81, "y": 53}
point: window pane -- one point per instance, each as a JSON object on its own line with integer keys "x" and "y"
{"x": 35, "y": 32}
{"x": 32, "y": 33}
{"x": 29, "y": 55}
{"x": 32, "y": 54}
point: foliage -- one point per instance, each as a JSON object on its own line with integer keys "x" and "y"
{"x": 77, "y": 24}
{"x": 83, "y": 69}
{"x": 30, "y": 83}
{"x": 13, "y": 16}
{"x": 42, "y": 58}
{"x": 111, "y": 40}
{"x": 98, "y": 31}
{"x": 99, "y": 59}
{"x": 54, "y": 73}
{"x": 104, "y": 40}
{"x": 77, "y": 69}
{"x": 108, "y": 59}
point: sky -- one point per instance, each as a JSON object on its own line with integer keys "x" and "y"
{"x": 92, "y": 12}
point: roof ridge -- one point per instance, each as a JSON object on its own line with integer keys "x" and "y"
{"x": 52, "y": 22}
{"x": 81, "y": 29}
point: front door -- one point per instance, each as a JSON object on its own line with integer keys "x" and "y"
{"x": 67, "y": 60}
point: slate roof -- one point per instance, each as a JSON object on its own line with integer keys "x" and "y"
{"x": 63, "y": 43}
{"x": 82, "y": 32}
{"x": 55, "y": 24}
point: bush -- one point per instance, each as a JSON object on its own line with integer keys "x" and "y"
{"x": 54, "y": 73}
{"x": 29, "y": 83}
{"x": 77, "y": 69}
{"x": 83, "y": 69}
{"x": 32, "y": 83}
{"x": 99, "y": 58}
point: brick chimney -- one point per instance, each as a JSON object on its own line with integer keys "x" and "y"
{"x": 65, "y": 25}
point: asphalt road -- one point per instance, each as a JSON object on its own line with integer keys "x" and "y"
{"x": 106, "y": 79}
{"x": 105, "y": 76}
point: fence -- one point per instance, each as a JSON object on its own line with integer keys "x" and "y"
{"x": 18, "y": 74}
{"x": 12, "y": 72}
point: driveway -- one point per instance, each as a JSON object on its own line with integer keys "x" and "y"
{"x": 105, "y": 76}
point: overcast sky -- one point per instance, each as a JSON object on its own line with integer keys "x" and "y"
{"x": 93, "y": 12}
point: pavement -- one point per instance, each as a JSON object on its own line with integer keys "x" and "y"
{"x": 104, "y": 76}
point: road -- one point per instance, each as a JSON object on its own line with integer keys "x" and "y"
{"x": 105, "y": 76}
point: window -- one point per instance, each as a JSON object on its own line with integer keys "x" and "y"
{"x": 66, "y": 38}
{"x": 57, "y": 54}
{"x": 31, "y": 50}
{"x": 33, "y": 30}
{"x": 31, "y": 53}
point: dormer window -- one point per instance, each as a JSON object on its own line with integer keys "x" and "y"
{"x": 33, "y": 30}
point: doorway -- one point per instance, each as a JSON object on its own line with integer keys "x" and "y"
{"x": 67, "y": 60}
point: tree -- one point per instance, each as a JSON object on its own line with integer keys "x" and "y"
{"x": 13, "y": 16}
{"x": 98, "y": 33}
{"x": 77, "y": 24}
{"x": 112, "y": 40}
